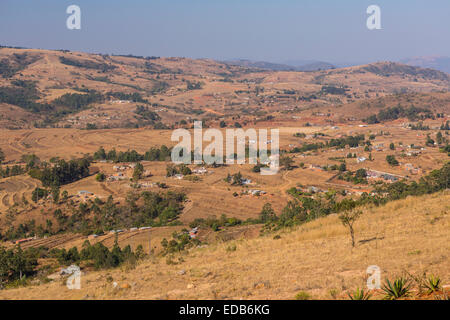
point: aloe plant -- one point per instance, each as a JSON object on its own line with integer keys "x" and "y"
{"x": 433, "y": 283}
{"x": 399, "y": 288}
{"x": 360, "y": 294}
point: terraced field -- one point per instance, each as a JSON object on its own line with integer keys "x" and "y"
{"x": 14, "y": 189}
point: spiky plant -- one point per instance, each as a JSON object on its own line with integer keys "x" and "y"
{"x": 399, "y": 288}
{"x": 360, "y": 294}
{"x": 433, "y": 283}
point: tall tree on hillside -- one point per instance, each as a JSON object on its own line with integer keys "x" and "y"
{"x": 286, "y": 162}
{"x": 267, "y": 213}
{"x": 348, "y": 218}
{"x": 55, "y": 194}
{"x": 439, "y": 138}
{"x": 2, "y": 156}
{"x": 138, "y": 171}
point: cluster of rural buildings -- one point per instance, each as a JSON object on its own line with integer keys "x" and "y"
{"x": 389, "y": 177}
{"x": 255, "y": 192}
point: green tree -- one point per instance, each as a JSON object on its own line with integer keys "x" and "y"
{"x": 55, "y": 194}
{"x": 38, "y": 194}
{"x": 171, "y": 170}
{"x": 391, "y": 160}
{"x": 100, "y": 154}
{"x": 184, "y": 170}
{"x": 439, "y": 139}
{"x": 2, "y": 156}
{"x": 429, "y": 142}
{"x": 348, "y": 218}
{"x": 138, "y": 171}
{"x": 100, "y": 177}
{"x": 140, "y": 254}
{"x": 15, "y": 264}
{"x": 49, "y": 225}
{"x": 361, "y": 174}
{"x": 31, "y": 160}
{"x": 267, "y": 213}
{"x": 286, "y": 162}
{"x": 236, "y": 179}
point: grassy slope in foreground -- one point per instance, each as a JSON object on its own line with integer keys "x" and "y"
{"x": 316, "y": 258}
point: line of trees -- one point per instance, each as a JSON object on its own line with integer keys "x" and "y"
{"x": 18, "y": 265}
{"x": 11, "y": 171}
{"x": 154, "y": 154}
{"x": 62, "y": 172}
{"x": 98, "y": 255}
{"x": 87, "y": 64}
{"x": 412, "y": 113}
{"x": 76, "y": 101}
{"x": 15, "y": 264}
{"x": 351, "y": 141}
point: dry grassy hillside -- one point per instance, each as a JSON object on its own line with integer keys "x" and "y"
{"x": 436, "y": 102}
{"x": 181, "y": 89}
{"x": 409, "y": 235}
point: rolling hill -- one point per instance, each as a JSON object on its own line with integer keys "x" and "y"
{"x": 72, "y": 89}
{"x": 440, "y": 63}
{"x": 314, "y": 261}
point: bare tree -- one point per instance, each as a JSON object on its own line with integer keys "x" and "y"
{"x": 348, "y": 218}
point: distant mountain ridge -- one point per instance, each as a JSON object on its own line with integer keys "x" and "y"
{"x": 387, "y": 69}
{"x": 301, "y": 65}
{"x": 440, "y": 63}
{"x": 260, "y": 65}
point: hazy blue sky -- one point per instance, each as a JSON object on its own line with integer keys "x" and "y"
{"x": 281, "y": 30}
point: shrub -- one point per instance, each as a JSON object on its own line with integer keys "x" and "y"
{"x": 359, "y": 294}
{"x": 100, "y": 177}
{"x": 267, "y": 214}
{"x": 391, "y": 160}
{"x": 302, "y": 295}
{"x": 433, "y": 283}
{"x": 286, "y": 162}
{"x": 399, "y": 288}
{"x": 38, "y": 194}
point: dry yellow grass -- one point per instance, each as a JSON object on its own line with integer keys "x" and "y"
{"x": 411, "y": 235}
